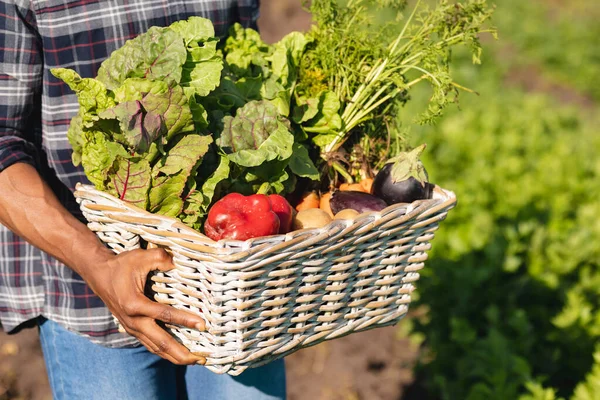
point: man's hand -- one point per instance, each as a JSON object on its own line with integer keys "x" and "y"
{"x": 30, "y": 209}
{"x": 119, "y": 282}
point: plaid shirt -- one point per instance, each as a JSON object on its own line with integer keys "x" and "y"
{"x": 35, "y": 111}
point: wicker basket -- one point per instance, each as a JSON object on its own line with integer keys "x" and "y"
{"x": 265, "y": 298}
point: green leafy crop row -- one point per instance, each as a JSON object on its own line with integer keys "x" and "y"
{"x": 512, "y": 287}
{"x": 560, "y": 37}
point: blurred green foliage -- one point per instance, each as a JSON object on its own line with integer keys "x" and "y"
{"x": 512, "y": 286}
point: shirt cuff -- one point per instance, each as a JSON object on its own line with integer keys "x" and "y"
{"x": 14, "y": 149}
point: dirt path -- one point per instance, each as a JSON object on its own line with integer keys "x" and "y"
{"x": 22, "y": 370}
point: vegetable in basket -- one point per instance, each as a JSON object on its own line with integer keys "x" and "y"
{"x": 284, "y": 211}
{"x": 311, "y": 218}
{"x": 359, "y": 201}
{"x": 403, "y": 179}
{"x": 188, "y": 119}
{"x": 240, "y": 217}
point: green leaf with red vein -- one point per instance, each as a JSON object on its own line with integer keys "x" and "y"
{"x": 138, "y": 128}
{"x": 131, "y": 180}
{"x": 171, "y": 173}
{"x": 158, "y": 54}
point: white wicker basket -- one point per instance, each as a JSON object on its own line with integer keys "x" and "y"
{"x": 265, "y": 298}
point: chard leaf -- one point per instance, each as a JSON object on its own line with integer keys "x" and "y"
{"x": 138, "y": 128}
{"x": 206, "y": 52}
{"x": 137, "y": 88}
{"x": 174, "y": 107}
{"x": 199, "y": 114}
{"x": 98, "y": 156}
{"x": 152, "y": 154}
{"x": 91, "y": 93}
{"x": 184, "y": 155}
{"x": 285, "y": 59}
{"x": 130, "y": 180}
{"x": 197, "y": 202}
{"x": 249, "y": 88}
{"x": 278, "y": 94}
{"x": 327, "y": 119}
{"x": 251, "y": 126}
{"x": 76, "y": 139}
{"x": 278, "y": 146}
{"x": 235, "y": 94}
{"x": 201, "y": 77}
{"x": 171, "y": 173}
{"x": 201, "y": 72}
{"x": 301, "y": 164}
{"x": 305, "y": 109}
{"x": 192, "y": 214}
{"x": 157, "y": 54}
{"x": 158, "y": 98}
{"x": 194, "y": 30}
{"x": 279, "y": 181}
{"x": 209, "y": 187}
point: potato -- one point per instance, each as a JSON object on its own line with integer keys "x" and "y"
{"x": 311, "y": 218}
{"x": 348, "y": 213}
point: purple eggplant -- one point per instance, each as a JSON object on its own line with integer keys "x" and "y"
{"x": 403, "y": 179}
{"x": 359, "y": 201}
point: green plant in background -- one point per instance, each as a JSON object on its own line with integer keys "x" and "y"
{"x": 560, "y": 39}
{"x": 512, "y": 287}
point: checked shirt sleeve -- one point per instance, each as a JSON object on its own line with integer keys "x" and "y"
{"x": 20, "y": 82}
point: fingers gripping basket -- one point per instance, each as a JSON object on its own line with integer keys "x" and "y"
{"x": 265, "y": 298}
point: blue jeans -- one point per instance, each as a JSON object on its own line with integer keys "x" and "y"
{"x": 80, "y": 370}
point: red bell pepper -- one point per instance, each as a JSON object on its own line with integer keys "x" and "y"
{"x": 284, "y": 211}
{"x": 240, "y": 217}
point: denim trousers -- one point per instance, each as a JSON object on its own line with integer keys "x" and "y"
{"x": 79, "y": 370}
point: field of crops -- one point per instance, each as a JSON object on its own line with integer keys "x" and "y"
{"x": 508, "y": 305}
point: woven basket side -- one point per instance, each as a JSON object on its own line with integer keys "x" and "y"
{"x": 266, "y": 298}
{"x": 299, "y": 298}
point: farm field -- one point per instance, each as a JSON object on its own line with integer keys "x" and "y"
{"x": 508, "y": 304}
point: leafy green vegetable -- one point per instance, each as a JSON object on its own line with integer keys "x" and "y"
{"x": 130, "y": 179}
{"x": 98, "y": 157}
{"x": 139, "y": 133}
{"x": 171, "y": 173}
{"x": 301, "y": 163}
{"x": 157, "y": 55}
{"x": 173, "y": 121}
{"x": 257, "y": 134}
